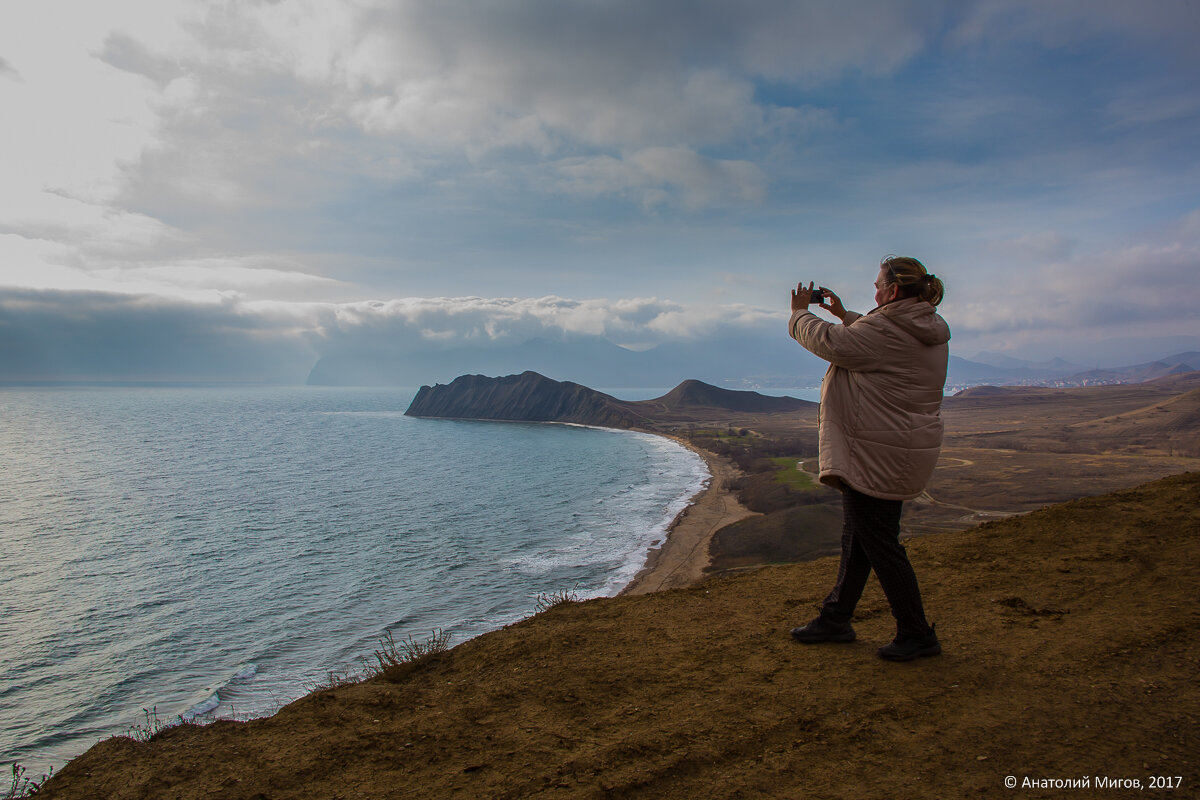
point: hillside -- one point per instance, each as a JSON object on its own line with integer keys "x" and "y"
{"x": 1164, "y": 386}
{"x": 1157, "y": 417}
{"x": 1177, "y": 364}
{"x": 1072, "y": 641}
{"x": 1174, "y": 420}
{"x": 697, "y": 394}
{"x": 533, "y": 397}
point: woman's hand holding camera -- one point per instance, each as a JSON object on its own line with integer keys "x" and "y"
{"x": 803, "y": 297}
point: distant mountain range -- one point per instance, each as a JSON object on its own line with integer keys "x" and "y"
{"x": 1000, "y": 370}
{"x": 744, "y": 362}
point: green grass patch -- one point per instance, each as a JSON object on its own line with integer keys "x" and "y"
{"x": 789, "y": 475}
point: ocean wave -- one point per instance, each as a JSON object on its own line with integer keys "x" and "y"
{"x": 212, "y": 698}
{"x": 622, "y": 541}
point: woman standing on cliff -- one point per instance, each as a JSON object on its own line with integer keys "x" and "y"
{"x": 880, "y": 433}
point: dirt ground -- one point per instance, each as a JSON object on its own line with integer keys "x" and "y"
{"x": 1016, "y": 449}
{"x": 1072, "y": 644}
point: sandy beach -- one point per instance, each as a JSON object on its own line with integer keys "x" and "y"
{"x": 681, "y": 559}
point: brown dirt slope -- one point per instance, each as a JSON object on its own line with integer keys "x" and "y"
{"x": 1072, "y": 639}
{"x": 1177, "y": 414}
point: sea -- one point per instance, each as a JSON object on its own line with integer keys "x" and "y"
{"x": 199, "y": 553}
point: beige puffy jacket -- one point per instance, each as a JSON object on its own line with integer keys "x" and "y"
{"x": 880, "y": 420}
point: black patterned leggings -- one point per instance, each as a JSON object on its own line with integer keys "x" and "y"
{"x": 871, "y": 540}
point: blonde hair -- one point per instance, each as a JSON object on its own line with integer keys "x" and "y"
{"x": 913, "y": 279}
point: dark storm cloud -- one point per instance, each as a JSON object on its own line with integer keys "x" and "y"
{"x": 85, "y": 336}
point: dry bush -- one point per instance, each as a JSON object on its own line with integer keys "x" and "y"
{"x": 334, "y": 680}
{"x": 23, "y": 785}
{"x": 549, "y": 600}
{"x": 394, "y": 659}
{"x": 153, "y": 726}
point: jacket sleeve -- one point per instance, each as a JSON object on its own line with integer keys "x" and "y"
{"x": 856, "y": 347}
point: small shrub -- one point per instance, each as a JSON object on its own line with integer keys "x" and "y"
{"x": 144, "y": 733}
{"x": 549, "y": 600}
{"x": 335, "y": 680}
{"x": 22, "y": 785}
{"x": 406, "y": 651}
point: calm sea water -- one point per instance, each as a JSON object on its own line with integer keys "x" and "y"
{"x": 218, "y": 550}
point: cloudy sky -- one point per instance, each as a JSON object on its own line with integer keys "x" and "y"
{"x": 224, "y": 189}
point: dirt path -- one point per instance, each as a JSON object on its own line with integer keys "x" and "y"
{"x": 973, "y": 515}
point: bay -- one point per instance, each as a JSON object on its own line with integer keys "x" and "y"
{"x": 213, "y": 552}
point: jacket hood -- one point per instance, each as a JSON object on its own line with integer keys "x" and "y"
{"x": 918, "y": 318}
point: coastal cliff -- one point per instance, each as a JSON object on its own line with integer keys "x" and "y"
{"x": 528, "y": 397}
{"x": 531, "y": 397}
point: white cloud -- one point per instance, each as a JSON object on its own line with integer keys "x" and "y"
{"x": 264, "y": 105}
{"x": 1047, "y": 292}
{"x": 1170, "y": 22}
{"x": 197, "y": 149}
{"x": 72, "y": 120}
{"x": 1149, "y": 106}
{"x": 487, "y": 322}
{"x": 242, "y": 275}
{"x": 704, "y": 181}
{"x": 1041, "y": 247}
{"x": 656, "y": 175}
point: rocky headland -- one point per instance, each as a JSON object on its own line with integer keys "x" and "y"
{"x": 531, "y": 397}
{"x": 528, "y": 397}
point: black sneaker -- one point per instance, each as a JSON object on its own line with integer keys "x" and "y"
{"x": 908, "y": 648}
{"x": 824, "y": 630}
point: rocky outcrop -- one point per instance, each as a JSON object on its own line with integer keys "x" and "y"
{"x": 528, "y": 397}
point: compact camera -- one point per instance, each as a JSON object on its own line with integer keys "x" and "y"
{"x": 818, "y": 296}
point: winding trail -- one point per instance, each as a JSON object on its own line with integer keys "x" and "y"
{"x": 928, "y": 499}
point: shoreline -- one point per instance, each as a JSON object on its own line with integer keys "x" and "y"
{"x": 592, "y": 727}
{"x": 682, "y": 556}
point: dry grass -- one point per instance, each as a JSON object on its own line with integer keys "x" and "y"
{"x": 386, "y": 660}
{"x": 22, "y": 785}
{"x": 1071, "y": 648}
{"x": 152, "y": 726}
{"x": 406, "y": 651}
{"x": 549, "y": 600}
